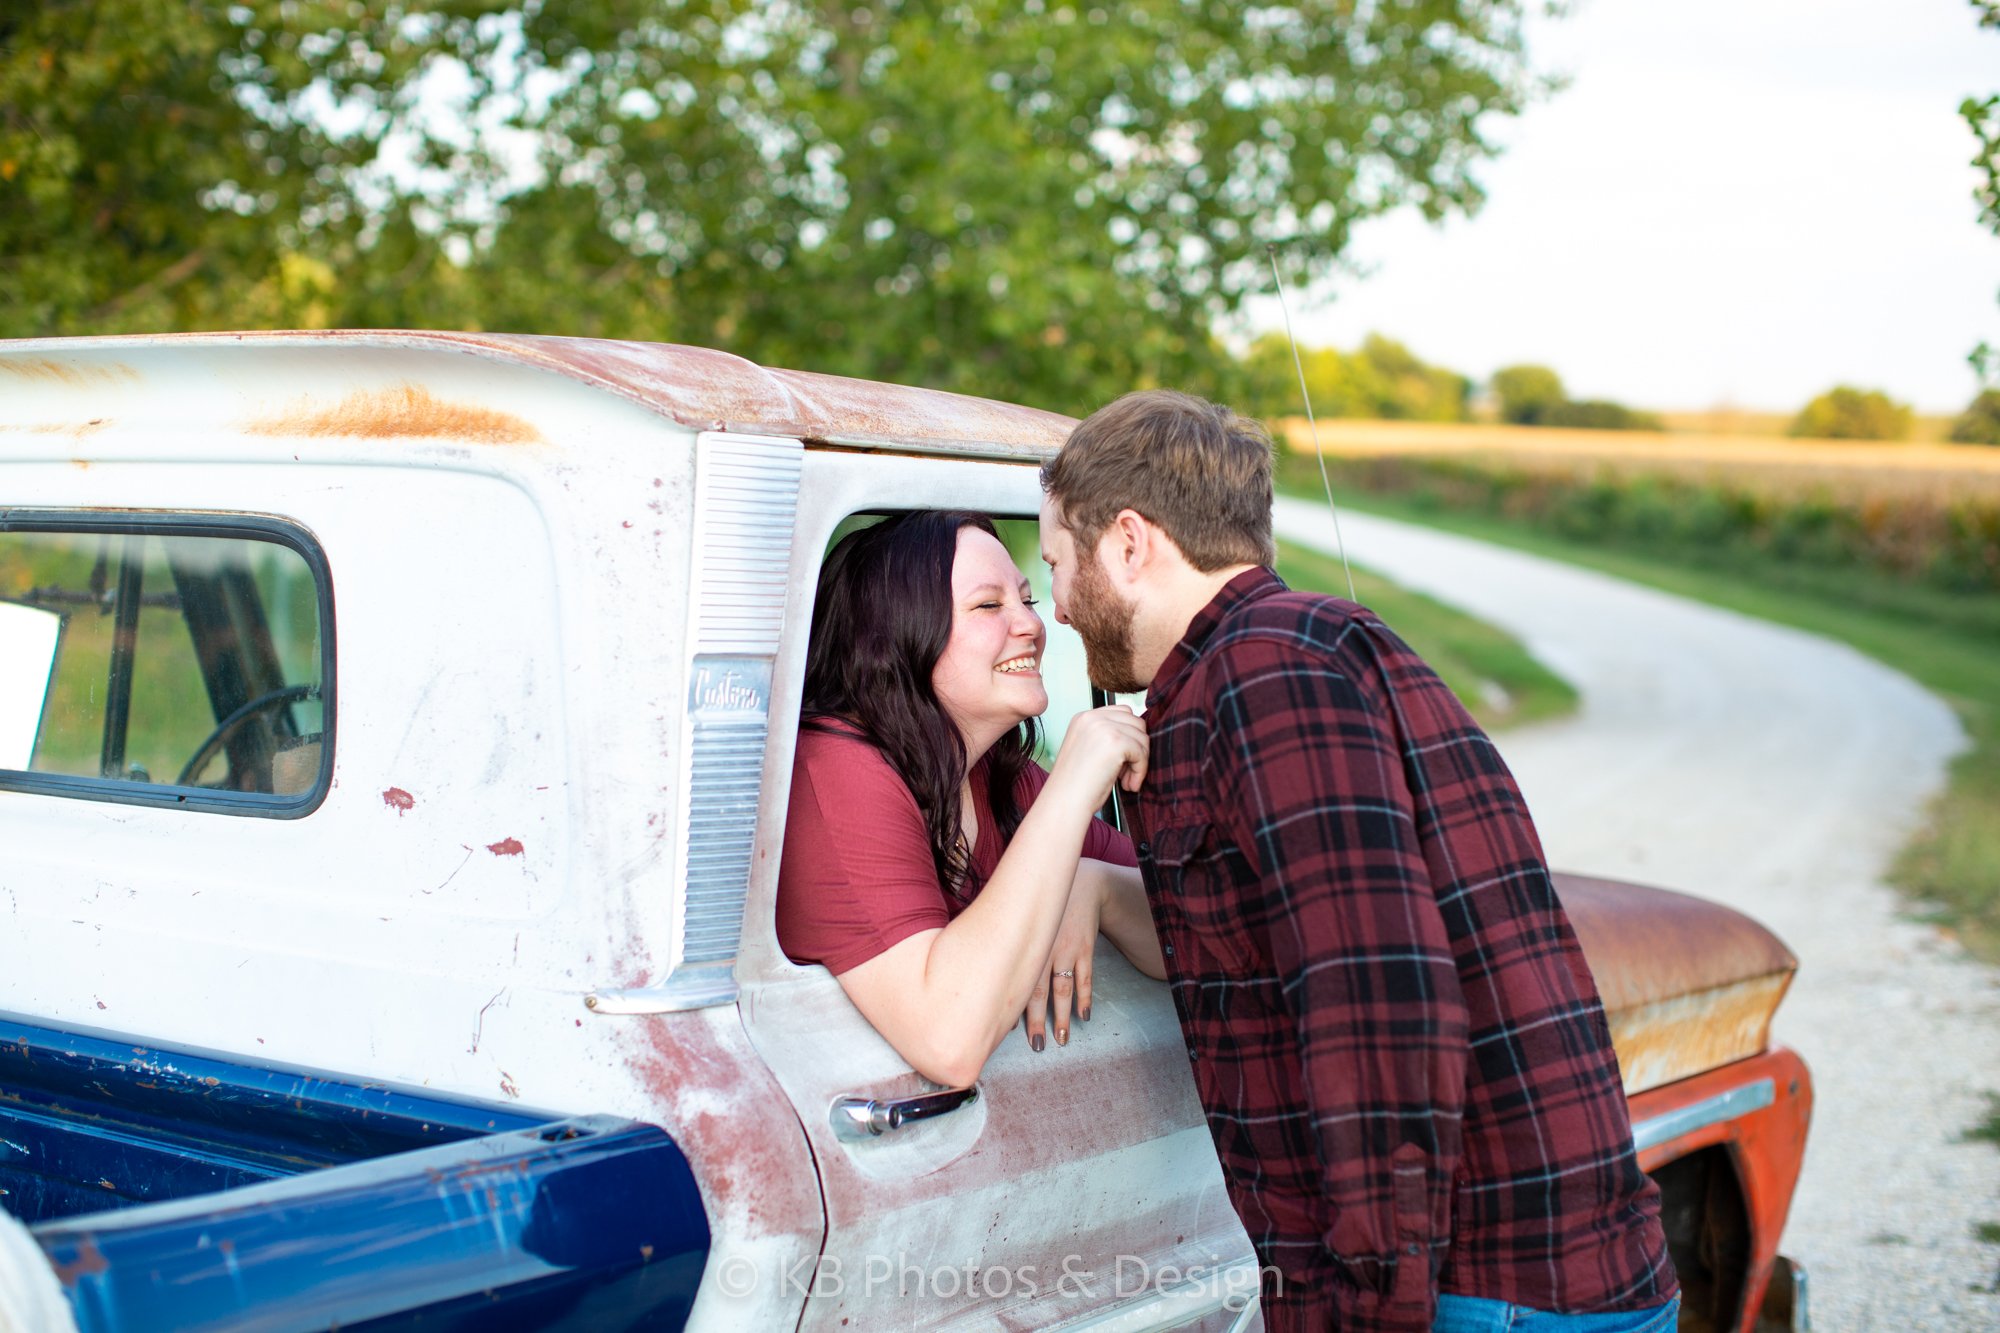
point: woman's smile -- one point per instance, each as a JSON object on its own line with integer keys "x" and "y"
{"x": 994, "y": 632}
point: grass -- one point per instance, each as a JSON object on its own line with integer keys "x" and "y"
{"x": 1988, "y": 1130}
{"x": 1949, "y": 642}
{"x": 1489, "y": 670}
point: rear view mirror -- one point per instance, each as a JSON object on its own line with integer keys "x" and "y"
{"x": 27, "y": 662}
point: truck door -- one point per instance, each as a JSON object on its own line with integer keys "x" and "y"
{"x": 1075, "y": 1183}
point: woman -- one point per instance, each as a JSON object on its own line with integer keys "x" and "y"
{"x": 929, "y": 863}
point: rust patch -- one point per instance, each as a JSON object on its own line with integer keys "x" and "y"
{"x": 1671, "y": 1039}
{"x": 398, "y": 800}
{"x": 406, "y": 411}
{"x": 506, "y": 847}
{"x": 50, "y": 371}
{"x": 75, "y": 430}
{"x": 1645, "y": 945}
{"x": 89, "y": 1262}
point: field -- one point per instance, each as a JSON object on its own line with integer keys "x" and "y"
{"x": 1894, "y": 549}
{"x": 1738, "y": 421}
{"x": 1765, "y": 463}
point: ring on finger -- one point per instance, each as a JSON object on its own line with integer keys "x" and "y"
{"x": 1066, "y": 974}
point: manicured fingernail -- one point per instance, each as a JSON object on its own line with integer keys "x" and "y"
{"x": 1062, "y": 1036}
{"x": 1084, "y": 1013}
{"x": 1035, "y": 1042}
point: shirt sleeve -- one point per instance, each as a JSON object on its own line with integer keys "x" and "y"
{"x": 857, "y": 875}
{"x": 1305, "y": 776}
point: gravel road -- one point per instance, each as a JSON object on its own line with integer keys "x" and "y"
{"x": 1777, "y": 772}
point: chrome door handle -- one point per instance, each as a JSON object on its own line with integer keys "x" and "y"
{"x": 858, "y": 1119}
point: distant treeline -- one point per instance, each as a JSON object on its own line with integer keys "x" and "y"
{"x": 1385, "y": 380}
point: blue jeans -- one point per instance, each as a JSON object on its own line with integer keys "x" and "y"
{"x": 1474, "y": 1314}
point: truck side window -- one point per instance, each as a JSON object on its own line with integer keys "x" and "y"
{"x": 163, "y": 664}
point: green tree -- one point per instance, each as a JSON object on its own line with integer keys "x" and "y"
{"x": 1982, "y": 116}
{"x": 1045, "y": 201}
{"x": 1979, "y": 423}
{"x": 168, "y": 165}
{"x": 1847, "y": 413}
{"x": 1409, "y": 389}
{"x": 1600, "y": 414}
{"x": 1383, "y": 378}
{"x": 1527, "y": 394}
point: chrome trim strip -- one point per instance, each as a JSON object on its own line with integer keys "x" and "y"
{"x": 1655, "y": 1130}
{"x": 746, "y": 496}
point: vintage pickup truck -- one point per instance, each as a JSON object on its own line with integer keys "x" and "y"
{"x": 395, "y": 731}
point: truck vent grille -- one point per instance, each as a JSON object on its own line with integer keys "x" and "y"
{"x": 746, "y": 500}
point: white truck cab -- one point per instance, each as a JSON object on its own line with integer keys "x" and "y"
{"x": 395, "y": 738}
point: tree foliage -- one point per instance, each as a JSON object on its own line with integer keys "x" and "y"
{"x": 1982, "y": 116}
{"x": 1045, "y": 201}
{"x": 1979, "y": 423}
{"x": 1382, "y": 378}
{"x": 1528, "y": 394}
{"x": 166, "y": 165}
{"x": 1847, "y": 413}
{"x": 1601, "y": 414}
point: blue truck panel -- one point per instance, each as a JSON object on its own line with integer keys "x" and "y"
{"x": 349, "y": 1205}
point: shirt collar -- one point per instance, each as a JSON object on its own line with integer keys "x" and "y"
{"x": 1251, "y": 584}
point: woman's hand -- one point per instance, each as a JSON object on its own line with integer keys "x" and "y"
{"x": 1103, "y": 746}
{"x": 1065, "y": 979}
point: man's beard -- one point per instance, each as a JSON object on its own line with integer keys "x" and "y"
{"x": 1104, "y": 622}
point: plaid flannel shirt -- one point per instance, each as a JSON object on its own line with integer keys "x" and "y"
{"x": 1402, "y": 1055}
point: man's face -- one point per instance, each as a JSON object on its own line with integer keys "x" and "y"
{"x": 1086, "y": 601}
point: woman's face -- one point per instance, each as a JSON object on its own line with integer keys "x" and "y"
{"x": 989, "y": 678}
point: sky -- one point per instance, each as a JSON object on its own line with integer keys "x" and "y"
{"x": 1732, "y": 203}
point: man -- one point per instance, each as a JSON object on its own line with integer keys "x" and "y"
{"x": 1403, "y": 1058}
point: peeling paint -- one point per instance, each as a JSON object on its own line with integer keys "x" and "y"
{"x": 506, "y": 847}
{"x": 398, "y": 800}
{"x": 406, "y": 411}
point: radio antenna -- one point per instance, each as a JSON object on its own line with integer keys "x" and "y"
{"x": 1298, "y": 363}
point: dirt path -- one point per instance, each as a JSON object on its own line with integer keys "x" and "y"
{"x": 1777, "y": 772}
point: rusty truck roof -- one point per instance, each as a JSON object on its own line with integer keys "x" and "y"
{"x": 697, "y": 387}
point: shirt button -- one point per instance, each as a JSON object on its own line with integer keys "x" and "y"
{"x": 1145, "y": 849}
{"x": 1193, "y": 1054}
{"x": 1413, "y": 1250}
{"x": 1167, "y": 949}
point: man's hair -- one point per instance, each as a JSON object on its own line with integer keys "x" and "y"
{"x": 1194, "y": 468}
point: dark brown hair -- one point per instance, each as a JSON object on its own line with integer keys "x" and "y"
{"x": 1195, "y": 468}
{"x": 881, "y": 619}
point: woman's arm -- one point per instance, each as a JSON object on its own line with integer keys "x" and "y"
{"x": 944, "y": 998}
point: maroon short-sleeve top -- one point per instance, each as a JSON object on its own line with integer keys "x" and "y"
{"x": 857, "y": 875}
